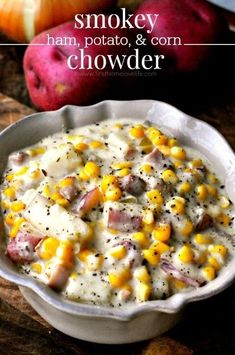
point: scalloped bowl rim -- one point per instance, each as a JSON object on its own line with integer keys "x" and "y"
{"x": 171, "y": 305}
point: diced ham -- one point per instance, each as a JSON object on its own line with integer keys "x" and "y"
{"x": 123, "y": 222}
{"x": 21, "y": 249}
{"x": 18, "y": 158}
{"x": 133, "y": 185}
{"x": 131, "y": 154}
{"x": 59, "y": 277}
{"x": 205, "y": 221}
{"x": 158, "y": 159}
{"x": 87, "y": 202}
{"x": 171, "y": 270}
{"x": 69, "y": 192}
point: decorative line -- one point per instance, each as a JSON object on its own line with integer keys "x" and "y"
{"x": 184, "y": 44}
{"x": 209, "y": 44}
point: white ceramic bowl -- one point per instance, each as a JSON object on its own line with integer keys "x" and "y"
{"x": 140, "y": 321}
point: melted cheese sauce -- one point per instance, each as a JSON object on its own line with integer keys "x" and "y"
{"x": 116, "y": 212}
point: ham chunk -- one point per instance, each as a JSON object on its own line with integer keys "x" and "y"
{"x": 133, "y": 185}
{"x": 171, "y": 270}
{"x": 158, "y": 159}
{"x": 21, "y": 249}
{"x": 69, "y": 192}
{"x": 87, "y": 202}
{"x": 205, "y": 221}
{"x": 59, "y": 277}
{"x": 123, "y": 217}
{"x": 18, "y": 158}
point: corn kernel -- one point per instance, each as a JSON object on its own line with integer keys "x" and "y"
{"x": 209, "y": 273}
{"x": 16, "y": 226}
{"x": 69, "y": 181}
{"x": 160, "y": 139}
{"x": 141, "y": 274}
{"x": 108, "y": 181}
{"x": 119, "y": 278}
{"x": 118, "y": 252}
{"x": 113, "y": 194}
{"x": 145, "y": 142}
{"x": 178, "y": 164}
{"x": 160, "y": 247}
{"x": 137, "y": 131}
{"x": 83, "y": 254}
{"x": 17, "y": 206}
{"x": 118, "y": 126}
{"x": 73, "y": 275}
{"x": 5, "y": 205}
{"x": 202, "y": 192}
{"x": 123, "y": 172}
{"x": 212, "y": 191}
{"x": 92, "y": 169}
{"x": 214, "y": 263}
{"x": 218, "y": 249}
{"x": 9, "y": 192}
{"x": 147, "y": 169}
{"x": 46, "y": 191}
{"x": 184, "y": 187}
{"x": 186, "y": 254}
{"x": 48, "y": 248}
{"x": 202, "y": 239}
{"x": 177, "y": 205}
{"x": 224, "y": 202}
{"x": 179, "y": 284}
{"x": 197, "y": 163}
{"x": 40, "y": 150}
{"x": 35, "y": 174}
{"x": 56, "y": 196}
{"x": 173, "y": 142}
{"x": 37, "y": 268}
{"x": 63, "y": 202}
{"x": 153, "y": 132}
{"x": 10, "y": 177}
{"x": 152, "y": 256}
{"x": 143, "y": 292}
{"x": 178, "y": 153}
{"x": 22, "y": 171}
{"x": 83, "y": 175}
{"x": 155, "y": 197}
{"x": 141, "y": 238}
{"x": 148, "y": 216}
{"x": 148, "y": 228}
{"x": 212, "y": 178}
{"x": 10, "y": 219}
{"x": 162, "y": 232}
{"x": 65, "y": 252}
{"x": 81, "y": 147}
{"x": 223, "y": 219}
{"x": 187, "y": 228}
{"x": 96, "y": 144}
{"x": 165, "y": 150}
{"x": 168, "y": 176}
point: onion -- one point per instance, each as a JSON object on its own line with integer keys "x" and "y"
{"x": 23, "y": 19}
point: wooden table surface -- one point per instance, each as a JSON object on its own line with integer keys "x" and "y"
{"x": 206, "y": 327}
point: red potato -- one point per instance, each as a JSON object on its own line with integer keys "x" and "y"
{"x": 52, "y": 84}
{"x": 194, "y": 21}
